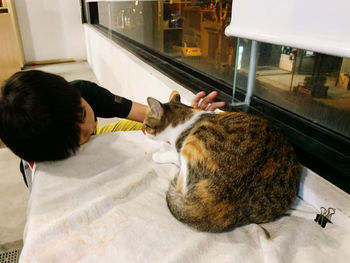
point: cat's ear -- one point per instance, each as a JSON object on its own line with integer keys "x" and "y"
{"x": 156, "y": 107}
{"x": 174, "y": 96}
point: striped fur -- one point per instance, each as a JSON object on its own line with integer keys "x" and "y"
{"x": 235, "y": 168}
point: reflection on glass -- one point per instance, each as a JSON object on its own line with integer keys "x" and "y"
{"x": 189, "y": 31}
{"x": 313, "y": 85}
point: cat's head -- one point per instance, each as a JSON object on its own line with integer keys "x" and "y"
{"x": 163, "y": 117}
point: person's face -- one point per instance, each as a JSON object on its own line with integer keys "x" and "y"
{"x": 88, "y": 124}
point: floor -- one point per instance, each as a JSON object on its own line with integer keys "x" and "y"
{"x": 337, "y": 98}
{"x": 14, "y": 195}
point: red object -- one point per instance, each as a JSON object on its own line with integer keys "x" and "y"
{"x": 31, "y": 164}
{"x": 143, "y": 131}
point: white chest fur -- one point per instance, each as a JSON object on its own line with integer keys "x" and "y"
{"x": 170, "y": 134}
{"x": 169, "y": 154}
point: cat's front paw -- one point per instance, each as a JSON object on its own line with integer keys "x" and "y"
{"x": 166, "y": 157}
{"x": 157, "y": 157}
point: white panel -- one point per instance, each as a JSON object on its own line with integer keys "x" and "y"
{"x": 318, "y": 25}
{"x": 51, "y": 29}
{"x": 116, "y": 68}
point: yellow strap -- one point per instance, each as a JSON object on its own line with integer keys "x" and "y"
{"x": 123, "y": 125}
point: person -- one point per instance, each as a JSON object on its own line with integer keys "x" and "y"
{"x": 43, "y": 117}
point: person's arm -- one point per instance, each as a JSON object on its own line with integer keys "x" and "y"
{"x": 104, "y": 103}
{"x": 139, "y": 111}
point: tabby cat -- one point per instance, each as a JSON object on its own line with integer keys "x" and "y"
{"x": 235, "y": 168}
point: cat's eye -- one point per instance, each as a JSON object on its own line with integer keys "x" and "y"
{"x": 149, "y": 127}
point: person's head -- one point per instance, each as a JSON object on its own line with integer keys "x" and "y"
{"x": 42, "y": 117}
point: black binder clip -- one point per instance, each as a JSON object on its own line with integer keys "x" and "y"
{"x": 325, "y": 216}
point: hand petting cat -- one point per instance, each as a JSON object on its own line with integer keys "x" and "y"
{"x": 200, "y": 101}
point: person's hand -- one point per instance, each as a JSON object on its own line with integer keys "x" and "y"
{"x": 200, "y": 101}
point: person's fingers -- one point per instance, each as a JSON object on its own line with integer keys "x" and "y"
{"x": 200, "y": 101}
{"x": 215, "y": 105}
{"x": 207, "y": 100}
{"x": 197, "y": 98}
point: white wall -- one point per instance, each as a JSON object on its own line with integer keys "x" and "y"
{"x": 51, "y": 29}
{"x": 124, "y": 74}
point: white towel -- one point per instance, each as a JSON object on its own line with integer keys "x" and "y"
{"x": 107, "y": 204}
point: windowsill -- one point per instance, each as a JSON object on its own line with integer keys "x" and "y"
{"x": 313, "y": 188}
{"x": 312, "y": 143}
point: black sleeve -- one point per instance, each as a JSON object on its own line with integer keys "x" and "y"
{"x": 104, "y": 103}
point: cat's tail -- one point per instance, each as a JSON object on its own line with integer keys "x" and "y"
{"x": 198, "y": 208}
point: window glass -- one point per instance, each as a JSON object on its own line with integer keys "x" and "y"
{"x": 191, "y": 32}
{"x": 313, "y": 85}
{"x": 242, "y": 62}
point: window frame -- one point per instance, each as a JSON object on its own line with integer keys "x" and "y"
{"x": 83, "y": 12}
{"x": 319, "y": 149}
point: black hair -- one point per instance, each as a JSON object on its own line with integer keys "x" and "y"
{"x": 40, "y": 114}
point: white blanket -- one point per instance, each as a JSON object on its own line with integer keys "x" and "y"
{"x": 107, "y": 204}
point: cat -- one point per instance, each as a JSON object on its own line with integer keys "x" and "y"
{"x": 235, "y": 168}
